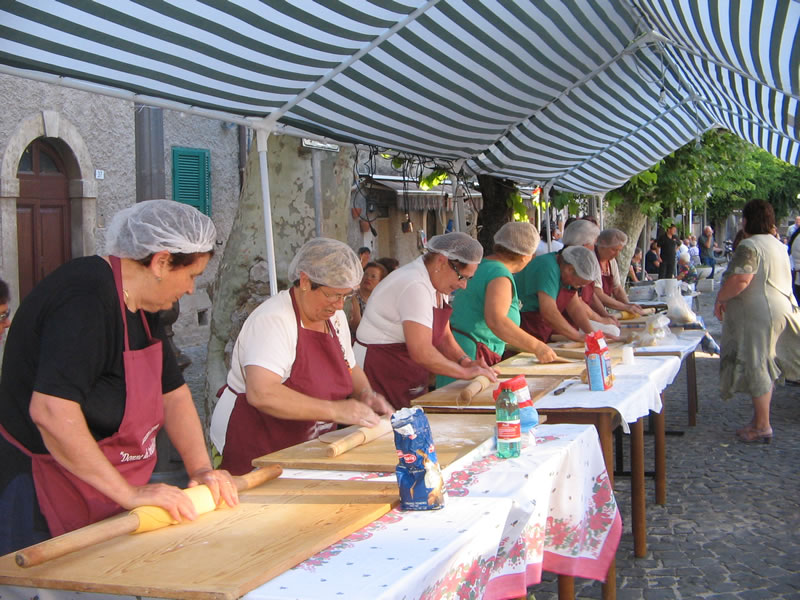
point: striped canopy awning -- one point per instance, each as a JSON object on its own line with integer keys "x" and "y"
{"x": 580, "y": 93}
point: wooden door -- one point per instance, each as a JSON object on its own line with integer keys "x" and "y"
{"x": 43, "y": 214}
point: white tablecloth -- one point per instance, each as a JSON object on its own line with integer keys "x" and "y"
{"x": 504, "y": 521}
{"x": 661, "y": 370}
{"x": 631, "y": 396}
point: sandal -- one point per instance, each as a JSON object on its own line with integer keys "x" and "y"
{"x": 749, "y": 435}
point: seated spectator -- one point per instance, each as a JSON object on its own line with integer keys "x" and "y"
{"x": 390, "y": 264}
{"x": 354, "y": 306}
{"x": 364, "y": 255}
{"x": 636, "y": 271}
{"x": 686, "y": 270}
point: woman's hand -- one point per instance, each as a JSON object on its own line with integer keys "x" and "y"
{"x": 719, "y": 310}
{"x": 170, "y": 498}
{"x": 610, "y": 320}
{"x": 635, "y": 309}
{"x": 478, "y": 367}
{"x": 219, "y": 482}
{"x": 545, "y": 354}
{"x": 354, "y": 412}
{"x": 376, "y": 402}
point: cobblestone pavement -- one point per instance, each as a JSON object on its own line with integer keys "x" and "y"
{"x": 731, "y": 526}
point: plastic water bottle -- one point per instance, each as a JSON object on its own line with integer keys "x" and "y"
{"x": 508, "y": 425}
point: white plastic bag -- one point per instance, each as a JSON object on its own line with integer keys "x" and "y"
{"x": 678, "y": 310}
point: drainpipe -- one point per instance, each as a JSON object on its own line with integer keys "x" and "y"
{"x": 316, "y": 176}
{"x": 261, "y": 144}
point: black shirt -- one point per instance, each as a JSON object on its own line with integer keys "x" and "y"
{"x": 66, "y": 340}
{"x": 650, "y": 262}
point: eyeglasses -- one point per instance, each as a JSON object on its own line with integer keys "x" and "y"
{"x": 458, "y": 273}
{"x": 5, "y": 315}
{"x": 334, "y": 298}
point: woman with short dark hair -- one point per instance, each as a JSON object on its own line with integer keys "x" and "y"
{"x": 761, "y": 319}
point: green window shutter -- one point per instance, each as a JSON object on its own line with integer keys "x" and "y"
{"x": 191, "y": 177}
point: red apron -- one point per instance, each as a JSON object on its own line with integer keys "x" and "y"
{"x": 66, "y": 501}
{"x": 393, "y": 373}
{"x": 319, "y": 370}
{"x": 534, "y": 323}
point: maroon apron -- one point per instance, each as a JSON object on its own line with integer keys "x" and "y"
{"x": 319, "y": 370}
{"x": 66, "y": 501}
{"x": 534, "y": 323}
{"x": 608, "y": 283}
{"x": 393, "y": 373}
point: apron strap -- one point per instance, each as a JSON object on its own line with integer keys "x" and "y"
{"x": 116, "y": 268}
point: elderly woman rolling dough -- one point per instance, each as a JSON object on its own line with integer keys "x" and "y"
{"x": 86, "y": 386}
{"x": 405, "y": 335}
{"x": 293, "y": 375}
{"x": 486, "y": 315}
{"x": 548, "y": 288}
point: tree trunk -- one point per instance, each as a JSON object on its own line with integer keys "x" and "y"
{"x": 629, "y": 218}
{"x": 496, "y": 211}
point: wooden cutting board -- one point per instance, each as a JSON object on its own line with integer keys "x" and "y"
{"x": 223, "y": 554}
{"x": 448, "y": 395}
{"x": 453, "y": 435}
{"x": 526, "y": 363}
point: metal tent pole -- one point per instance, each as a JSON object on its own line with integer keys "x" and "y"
{"x": 261, "y": 140}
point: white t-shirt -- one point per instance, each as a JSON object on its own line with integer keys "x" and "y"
{"x": 406, "y": 294}
{"x": 541, "y": 249}
{"x": 268, "y": 339}
{"x": 612, "y": 266}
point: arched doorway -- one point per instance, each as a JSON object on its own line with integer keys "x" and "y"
{"x": 43, "y": 214}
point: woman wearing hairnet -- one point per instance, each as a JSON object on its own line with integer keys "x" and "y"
{"x": 293, "y": 375}
{"x": 405, "y": 335}
{"x": 486, "y": 315}
{"x": 609, "y": 288}
{"x": 547, "y": 288}
{"x": 86, "y": 386}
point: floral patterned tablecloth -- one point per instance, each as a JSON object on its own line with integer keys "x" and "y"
{"x": 504, "y": 521}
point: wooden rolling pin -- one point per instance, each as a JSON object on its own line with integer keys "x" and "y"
{"x": 359, "y": 437}
{"x": 131, "y": 523}
{"x": 476, "y": 386}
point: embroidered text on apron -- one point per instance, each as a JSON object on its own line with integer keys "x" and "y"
{"x": 66, "y": 501}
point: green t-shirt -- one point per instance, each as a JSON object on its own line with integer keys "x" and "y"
{"x": 541, "y": 275}
{"x": 468, "y": 311}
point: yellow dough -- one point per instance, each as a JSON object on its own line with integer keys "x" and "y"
{"x": 155, "y": 517}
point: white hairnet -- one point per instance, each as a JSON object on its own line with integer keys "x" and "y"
{"x": 328, "y": 262}
{"x": 456, "y": 246}
{"x": 155, "y": 225}
{"x": 580, "y": 232}
{"x": 518, "y": 237}
{"x": 583, "y": 261}
{"x": 611, "y": 238}
{"x": 684, "y": 257}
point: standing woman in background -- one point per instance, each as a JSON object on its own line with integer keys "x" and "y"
{"x": 486, "y": 314}
{"x": 404, "y": 335}
{"x": 760, "y": 319}
{"x": 86, "y": 384}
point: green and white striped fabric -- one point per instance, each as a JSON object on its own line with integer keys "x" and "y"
{"x": 581, "y": 93}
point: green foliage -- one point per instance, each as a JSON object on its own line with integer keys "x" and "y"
{"x": 432, "y": 179}
{"x": 722, "y": 173}
{"x": 518, "y": 209}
